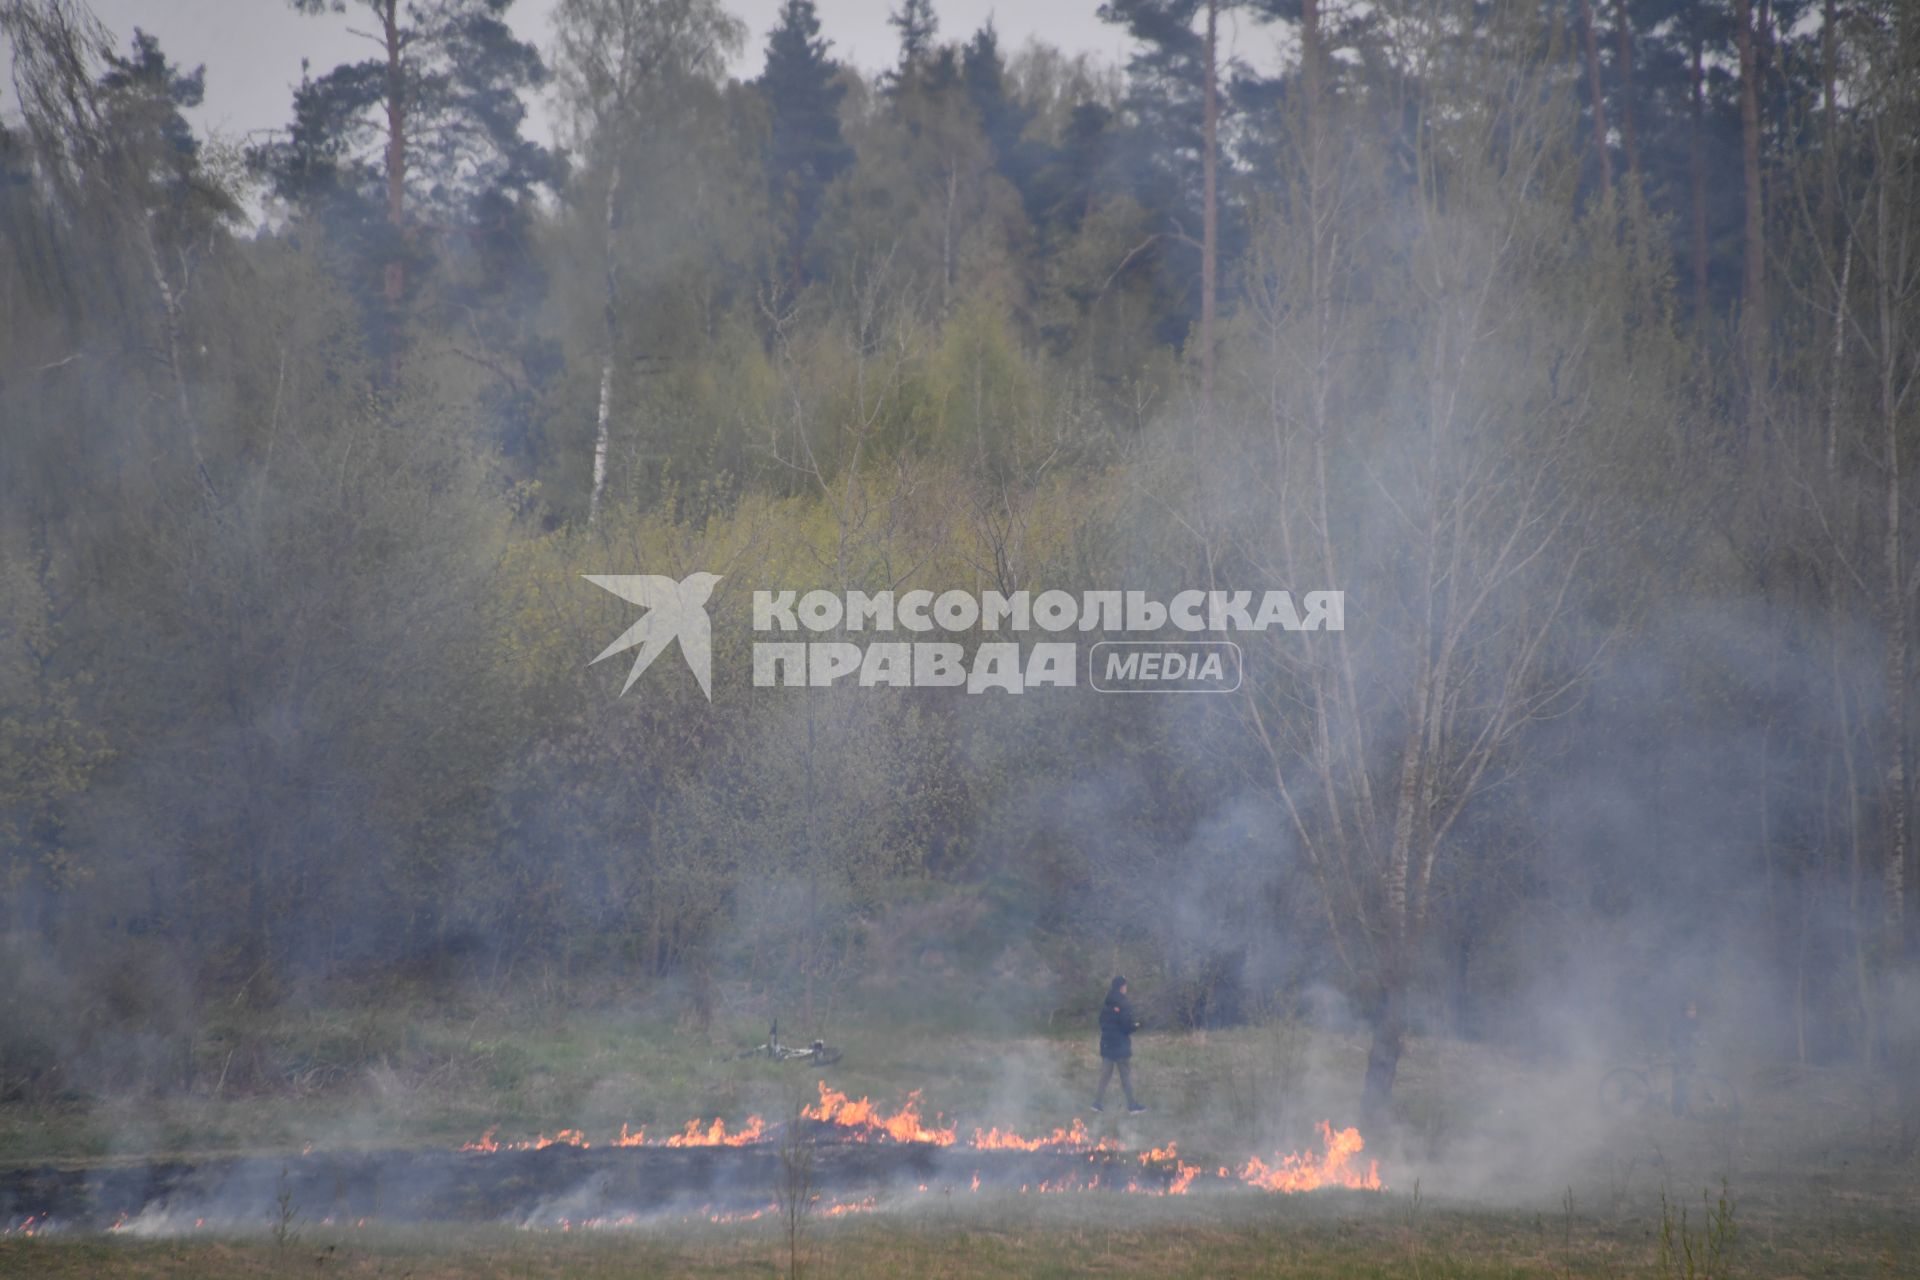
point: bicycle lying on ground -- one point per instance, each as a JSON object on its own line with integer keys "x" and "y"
{"x": 819, "y": 1053}
{"x": 1637, "y": 1090}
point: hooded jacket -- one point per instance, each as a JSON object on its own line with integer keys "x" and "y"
{"x": 1117, "y": 1025}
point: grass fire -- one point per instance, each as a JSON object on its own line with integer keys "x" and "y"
{"x": 1116, "y": 637}
{"x": 838, "y": 1118}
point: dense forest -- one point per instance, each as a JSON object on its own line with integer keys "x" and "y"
{"x": 1576, "y": 342}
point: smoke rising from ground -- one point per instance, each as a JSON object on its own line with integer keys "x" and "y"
{"x": 310, "y": 798}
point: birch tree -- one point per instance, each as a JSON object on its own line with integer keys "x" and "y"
{"x": 1857, "y": 400}
{"x": 621, "y": 63}
{"x": 125, "y": 170}
{"x": 1444, "y": 436}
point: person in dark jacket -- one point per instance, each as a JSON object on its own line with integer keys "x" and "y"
{"x": 1117, "y": 1025}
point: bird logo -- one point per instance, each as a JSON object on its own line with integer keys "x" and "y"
{"x": 675, "y": 611}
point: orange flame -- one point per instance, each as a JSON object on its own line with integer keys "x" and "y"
{"x": 1073, "y": 1138}
{"x": 860, "y": 1120}
{"x": 853, "y": 1206}
{"x": 1306, "y": 1172}
{"x": 1183, "y": 1174}
{"x": 904, "y": 1125}
{"x": 716, "y": 1135}
{"x": 564, "y": 1138}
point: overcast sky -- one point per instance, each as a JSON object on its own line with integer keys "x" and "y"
{"x": 252, "y": 48}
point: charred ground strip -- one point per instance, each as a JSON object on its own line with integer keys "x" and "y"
{"x": 536, "y": 1187}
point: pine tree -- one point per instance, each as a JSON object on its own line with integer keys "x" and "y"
{"x": 1003, "y": 118}
{"x": 805, "y": 151}
{"x": 1176, "y": 103}
{"x": 917, "y": 24}
{"x": 422, "y": 141}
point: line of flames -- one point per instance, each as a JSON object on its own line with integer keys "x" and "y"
{"x": 1072, "y": 1138}
{"x": 1337, "y": 1165}
{"x": 864, "y": 1120}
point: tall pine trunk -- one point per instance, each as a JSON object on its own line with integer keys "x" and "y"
{"x": 1623, "y": 31}
{"x": 1210, "y": 213}
{"x": 1754, "y": 322}
{"x": 1598, "y": 93}
{"x": 1697, "y": 163}
{"x": 396, "y": 270}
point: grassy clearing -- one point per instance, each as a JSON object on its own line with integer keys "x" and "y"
{"x": 1502, "y": 1167}
{"x": 1330, "y": 1235}
{"x": 441, "y": 1077}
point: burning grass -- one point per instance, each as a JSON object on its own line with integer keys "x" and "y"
{"x": 861, "y": 1120}
{"x": 859, "y": 1150}
{"x": 1807, "y": 1165}
{"x": 840, "y": 1118}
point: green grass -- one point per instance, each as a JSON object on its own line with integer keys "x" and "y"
{"x": 385, "y": 1079}
{"x": 1333, "y": 1235}
{"x": 1479, "y": 1173}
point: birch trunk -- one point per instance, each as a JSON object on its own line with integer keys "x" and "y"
{"x": 1893, "y": 556}
{"x": 603, "y": 424}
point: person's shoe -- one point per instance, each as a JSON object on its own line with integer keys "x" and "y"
{"x": 1097, "y": 1108}
{"x": 1134, "y": 1109}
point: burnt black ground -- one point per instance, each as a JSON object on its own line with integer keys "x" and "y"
{"x": 555, "y": 1183}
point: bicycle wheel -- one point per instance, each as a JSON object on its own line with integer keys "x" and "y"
{"x": 1713, "y": 1097}
{"x": 1625, "y": 1090}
